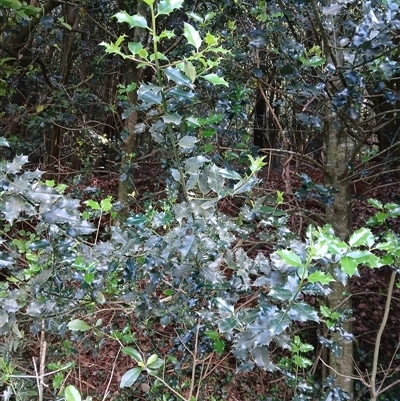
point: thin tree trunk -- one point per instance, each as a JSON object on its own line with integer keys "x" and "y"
{"x": 135, "y": 75}
{"x": 339, "y": 216}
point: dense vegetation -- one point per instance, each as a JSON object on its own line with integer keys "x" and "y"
{"x": 178, "y": 194}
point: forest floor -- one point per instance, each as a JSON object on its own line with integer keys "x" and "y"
{"x": 99, "y": 372}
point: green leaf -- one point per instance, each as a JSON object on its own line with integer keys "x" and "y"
{"x": 375, "y": 203}
{"x": 136, "y": 220}
{"x": 314, "y": 61}
{"x": 167, "y": 34}
{"x": 213, "y": 119}
{"x": 135, "y": 47}
{"x": 303, "y": 312}
{"x": 172, "y": 118}
{"x": 219, "y": 346}
{"x": 290, "y": 258}
{"x": 213, "y": 334}
{"x": 278, "y": 323}
{"x": 320, "y": 277}
{"x": 190, "y": 71}
{"x": 211, "y": 39}
{"x": 187, "y": 142}
{"x": 230, "y": 174}
{"x": 348, "y": 265}
{"x": 92, "y": 204}
{"x": 177, "y": 76}
{"x": 72, "y": 394}
{"x": 261, "y": 357}
{"x": 152, "y": 359}
{"x": 130, "y": 377}
{"x": 12, "y": 208}
{"x": 3, "y": 142}
{"x": 132, "y": 353}
{"x": 149, "y": 2}
{"x": 215, "y": 79}
{"x": 279, "y": 197}
{"x": 209, "y": 132}
{"x": 155, "y": 365}
{"x": 16, "y": 165}
{"x": 133, "y": 20}
{"x": 363, "y": 236}
{"x": 280, "y": 294}
{"x": 192, "y": 36}
{"x": 325, "y": 311}
{"x": 58, "y": 380}
{"x": 182, "y": 94}
{"x": 4, "y": 317}
{"x": 106, "y": 204}
{"x": 167, "y": 6}
{"x": 301, "y": 361}
{"x": 78, "y": 325}
{"x": 256, "y": 164}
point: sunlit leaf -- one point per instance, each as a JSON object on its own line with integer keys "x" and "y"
{"x": 290, "y": 258}
{"x": 16, "y": 165}
{"x": 4, "y": 142}
{"x": 133, "y": 20}
{"x": 78, "y": 325}
{"x": 363, "y": 236}
{"x": 320, "y": 277}
{"x": 349, "y": 265}
{"x": 72, "y": 393}
{"x": 215, "y": 79}
{"x": 167, "y": 6}
{"x": 192, "y": 36}
{"x": 219, "y": 346}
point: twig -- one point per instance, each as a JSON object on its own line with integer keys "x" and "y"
{"x": 337, "y": 373}
{"x": 196, "y": 342}
{"x": 374, "y": 391}
{"x": 40, "y": 390}
{"x": 111, "y": 376}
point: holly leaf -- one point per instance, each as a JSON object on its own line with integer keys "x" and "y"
{"x": 320, "y": 277}
{"x": 167, "y": 6}
{"x": 187, "y": 142}
{"x": 349, "y": 265}
{"x": 363, "y": 236}
{"x": 290, "y": 258}
{"x": 301, "y": 312}
{"x": 3, "y": 142}
{"x": 15, "y": 166}
{"x": 215, "y": 79}
{"x": 178, "y": 76}
{"x": 133, "y": 20}
{"x": 192, "y": 36}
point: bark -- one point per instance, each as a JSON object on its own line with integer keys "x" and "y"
{"x": 339, "y": 216}
{"x": 72, "y": 17}
{"x": 126, "y": 183}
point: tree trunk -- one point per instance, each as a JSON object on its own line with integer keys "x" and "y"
{"x": 72, "y": 17}
{"x": 134, "y": 75}
{"x": 339, "y": 216}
